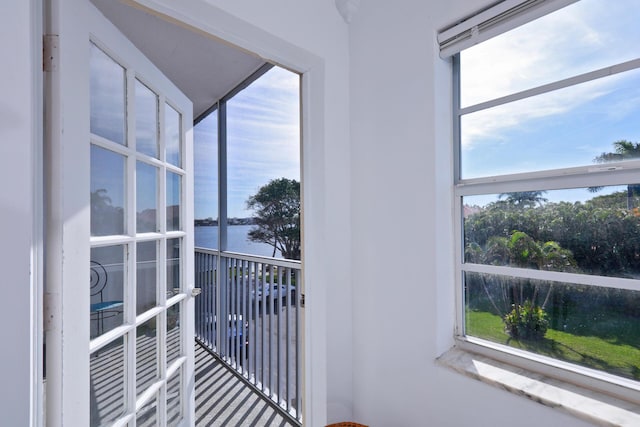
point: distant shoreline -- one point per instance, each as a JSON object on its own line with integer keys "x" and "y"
{"x": 208, "y": 222}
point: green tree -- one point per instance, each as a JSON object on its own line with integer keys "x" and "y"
{"x": 277, "y": 216}
{"x": 623, "y": 150}
{"x": 598, "y": 237}
{"x": 524, "y": 198}
{"x": 517, "y": 250}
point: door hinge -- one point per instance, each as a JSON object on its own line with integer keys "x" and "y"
{"x": 302, "y": 300}
{"x": 50, "y": 53}
{"x": 49, "y": 308}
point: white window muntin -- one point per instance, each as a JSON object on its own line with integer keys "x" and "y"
{"x": 553, "y": 86}
{"x": 554, "y": 276}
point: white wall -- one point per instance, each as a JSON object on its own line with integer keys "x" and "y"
{"x": 17, "y": 138}
{"x": 401, "y": 228}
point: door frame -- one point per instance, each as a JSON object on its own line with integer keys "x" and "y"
{"x": 214, "y": 21}
{"x": 221, "y": 25}
{"x": 67, "y": 213}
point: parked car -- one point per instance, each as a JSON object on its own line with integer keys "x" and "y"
{"x": 235, "y": 332}
{"x": 280, "y": 293}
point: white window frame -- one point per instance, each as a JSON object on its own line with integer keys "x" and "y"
{"x": 575, "y": 177}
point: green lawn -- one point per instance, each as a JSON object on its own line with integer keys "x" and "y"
{"x": 607, "y": 354}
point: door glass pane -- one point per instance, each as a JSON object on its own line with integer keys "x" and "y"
{"x": 174, "y": 399}
{"x": 107, "y": 383}
{"x": 107, "y": 288}
{"x": 174, "y": 182}
{"x": 173, "y": 267}
{"x": 172, "y": 135}
{"x": 107, "y": 192}
{"x": 148, "y": 415}
{"x": 146, "y": 275}
{"x": 146, "y": 198}
{"x": 146, "y": 355}
{"x": 146, "y": 120}
{"x": 107, "y": 97}
{"x": 173, "y": 333}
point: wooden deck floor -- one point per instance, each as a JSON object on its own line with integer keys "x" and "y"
{"x": 222, "y": 399}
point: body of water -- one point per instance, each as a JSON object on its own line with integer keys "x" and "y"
{"x": 237, "y": 241}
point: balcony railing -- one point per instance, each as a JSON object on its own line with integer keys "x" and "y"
{"x": 257, "y": 299}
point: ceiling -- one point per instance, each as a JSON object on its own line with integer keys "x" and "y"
{"x": 204, "y": 68}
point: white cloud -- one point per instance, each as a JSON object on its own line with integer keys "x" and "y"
{"x": 493, "y": 122}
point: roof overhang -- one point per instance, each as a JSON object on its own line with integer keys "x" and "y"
{"x": 203, "y": 67}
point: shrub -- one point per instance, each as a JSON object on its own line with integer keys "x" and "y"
{"x": 526, "y": 321}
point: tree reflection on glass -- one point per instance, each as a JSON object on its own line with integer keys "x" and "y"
{"x": 107, "y": 192}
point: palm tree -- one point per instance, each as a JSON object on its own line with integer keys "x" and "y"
{"x": 623, "y": 150}
{"x": 524, "y": 198}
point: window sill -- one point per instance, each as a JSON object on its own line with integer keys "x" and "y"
{"x": 584, "y": 403}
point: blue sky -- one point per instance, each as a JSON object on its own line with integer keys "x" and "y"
{"x": 263, "y": 143}
{"x": 566, "y": 128}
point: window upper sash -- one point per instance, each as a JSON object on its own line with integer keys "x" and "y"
{"x": 492, "y": 21}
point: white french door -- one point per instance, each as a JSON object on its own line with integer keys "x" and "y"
{"x": 120, "y": 346}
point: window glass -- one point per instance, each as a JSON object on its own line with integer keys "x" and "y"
{"x": 107, "y": 192}
{"x": 174, "y": 399}
{"x": 146, "y": 197}
{"x": 173, "y": 146}
{"x": 205, "y": 148}
{"x": 174, "y": 184}
{"x": 146, "y": 120}
{"x": 146, "y": 275}
{"x": 592, "y": 326}
{"x": 107, "y": 97}
{"x": 586, "y": 231}
{"x": 263, "y": 146}
{"x": 147, "y": 416}
{"x": 107, "y": 284}
{"x": 585, "y": 36}
{"x": 107, "y": 383}
{"x": 173, "y": 266}
{"x": 174, "y": 333}
{"x": 146, "y": 355}
{"x": 559, "y": 129}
